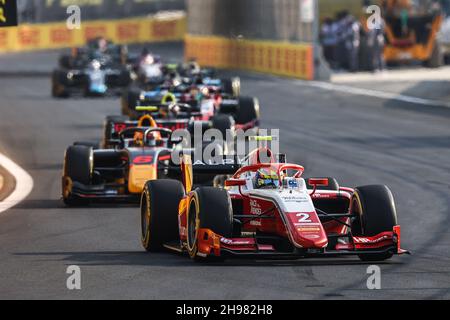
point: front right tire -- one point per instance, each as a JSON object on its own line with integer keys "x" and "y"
{"x": 376, "y": 213}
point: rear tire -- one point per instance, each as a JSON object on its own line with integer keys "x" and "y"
{"x": 375, "y": 207}
{"x": 210, "y": 208}
{"x": 66, "y": 62}
{"x": 248, "y": 110}
{"x": 232, "y": 87}
{"x": 78, "y": 167}
{"x": 159, "y": 213}
{"x": 223, "y": 122}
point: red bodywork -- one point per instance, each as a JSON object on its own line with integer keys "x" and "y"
{"x": 310, "y": 233}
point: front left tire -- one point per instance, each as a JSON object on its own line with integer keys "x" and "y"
{"x": 208, "y": 208}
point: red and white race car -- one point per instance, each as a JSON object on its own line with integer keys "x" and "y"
{"x": 268, "y": 210}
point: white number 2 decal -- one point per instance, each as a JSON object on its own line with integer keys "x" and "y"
{"x": 304, "y": 217}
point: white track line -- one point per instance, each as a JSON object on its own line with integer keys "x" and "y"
{"x": 24, "y": 184}
{"x": 374, "y": 93}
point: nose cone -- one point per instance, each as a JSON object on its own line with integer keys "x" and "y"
{"x": 306, "y": 230}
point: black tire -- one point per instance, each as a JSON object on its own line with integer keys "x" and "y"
{"x": 333, "y": 185}
{"x": 232, "y": 87}
{"x": 124, "y": 78}
{"x": 223, "y": 122}
{"x": 375, "y": 208}
{"x": 78, "y": 167}
{"x": 66, "y": 62}
{"x": 248, "y": 110}
{"x": 78, "y": 164}
{"x": 436, "y": 59}
{"x": 213, "y": 211}
{"x": 129, "y": 100}
{"x": 159, "y": 213}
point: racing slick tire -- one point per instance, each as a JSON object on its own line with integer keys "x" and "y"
{"x": 78, "y": 167}
{"x": 333, "y": 185}
{"x": 223, "y": 122}
{"x": 248, "y": 110}
{"x": 209, "y": 208}
{"x": 159, "y": 213}
{"x": 129, "y": 100}
{"x": 124, "y": 78}
{"x": 376, "y": 213}
{"x": 232, "y": 86}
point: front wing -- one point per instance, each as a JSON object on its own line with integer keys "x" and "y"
{"x": 211, "y": 244}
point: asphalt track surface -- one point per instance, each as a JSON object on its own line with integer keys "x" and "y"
{"x": 358, "y": 140}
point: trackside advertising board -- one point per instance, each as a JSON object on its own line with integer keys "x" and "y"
{"x": 273, "y": 57}
{"x": 28, "y": 37}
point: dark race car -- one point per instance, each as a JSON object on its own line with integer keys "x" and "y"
{"x": 94, "y": 70}
{"x": 207, "y": 101}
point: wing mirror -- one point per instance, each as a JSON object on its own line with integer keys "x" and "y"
{"x": 317, "y": 182}
{"x": 235, "y": 183}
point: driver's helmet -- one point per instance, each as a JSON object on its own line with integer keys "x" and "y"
{"x": 266, "y": 179}
{"x": 138, "y": 139}
{"x": 154, "y": 139}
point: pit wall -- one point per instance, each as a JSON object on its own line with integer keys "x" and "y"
{"x": 45, "y": 36}
{"x": 274, "y": 57}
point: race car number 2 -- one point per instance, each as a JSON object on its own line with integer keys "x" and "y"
{"x": 304, "y": 218}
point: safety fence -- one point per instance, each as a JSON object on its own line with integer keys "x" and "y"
{"x": 279, "y": 58}
{"x": 124, "y": 31}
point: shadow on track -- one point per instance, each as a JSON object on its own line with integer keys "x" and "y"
{"x": 133, "y": 258}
